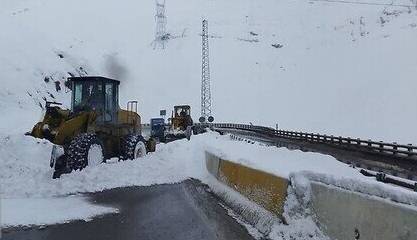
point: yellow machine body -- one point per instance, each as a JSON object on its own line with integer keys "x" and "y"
{"x": 61, "y": 126}
{"x": 181, "y": 117}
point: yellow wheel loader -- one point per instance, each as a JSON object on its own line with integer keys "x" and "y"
{"x": 181, "y": 124}
{"x": 94, "y": 129}
{"x": 181, "y": 117}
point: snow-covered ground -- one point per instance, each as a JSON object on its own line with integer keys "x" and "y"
{"x": 24, "y": 177}
{"x": 45, "y": 211}
{"x": 344, "y": 68}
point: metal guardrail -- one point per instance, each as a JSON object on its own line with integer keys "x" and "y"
{"x": 382, "y": 177}
{"x": 408, "y": 151}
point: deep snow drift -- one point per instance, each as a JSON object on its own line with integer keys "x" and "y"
{"x": 343, "y": 68}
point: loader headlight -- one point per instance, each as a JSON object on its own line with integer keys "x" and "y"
{"x": 45, "y": 127}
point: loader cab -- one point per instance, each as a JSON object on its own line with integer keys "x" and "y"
{"x": 182, "y": 111}
{"x": 98, "y": 94}
{"x": 181, "y": 117}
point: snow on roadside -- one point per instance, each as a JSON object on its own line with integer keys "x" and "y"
{"x": 45, "y": 211}
{"x": 303, "y": 167}
{"x": 28, "y": 190}
{"x": 26, "y": 174}
{"x": 261, "y": 223}
{"x": 26, "y": 171}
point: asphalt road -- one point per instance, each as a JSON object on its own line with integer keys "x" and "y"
{"x": 177, "y": 211}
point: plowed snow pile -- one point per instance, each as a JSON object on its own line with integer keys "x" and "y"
{"x": 29, "y": 176}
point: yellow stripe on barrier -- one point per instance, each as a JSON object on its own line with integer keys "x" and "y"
{"x": 265, "y": 189}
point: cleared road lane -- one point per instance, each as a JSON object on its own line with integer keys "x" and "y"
{"x": 176, "y": 211}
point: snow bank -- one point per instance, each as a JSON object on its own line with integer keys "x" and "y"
{"x": 26, "y": 175}
{"x": 26, "y": 179}
{"x": 303, "y": 167}
{"x": 46, "y": 211}
{"x": 279, "y": 161}
{"x": 299, "y": 223}
{"x": 301, "y": 181}
{"x": 26, "y": 171}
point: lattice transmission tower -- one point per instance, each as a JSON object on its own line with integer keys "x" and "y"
{"x": 206, "y": 114}
{"x": 161, "y": 21}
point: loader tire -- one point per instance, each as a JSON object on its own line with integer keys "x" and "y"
{"x": 85, "y": 149}
{"x": 133, "y": 146}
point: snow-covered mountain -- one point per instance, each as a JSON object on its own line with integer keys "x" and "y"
{"x": 343, "y": 68}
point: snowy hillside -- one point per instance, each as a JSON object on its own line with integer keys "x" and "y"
{"x": 343, "y": 68}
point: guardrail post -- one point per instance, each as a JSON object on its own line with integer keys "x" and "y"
{"x": 410, "y": 150}
{"x": 395, "y": 148}
{"x": 381, "y": 146}
{"x": 380, "y": 177}
{"x": 358, "y": 141}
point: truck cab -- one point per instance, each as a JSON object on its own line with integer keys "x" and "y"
{"x": 158, "y": 128}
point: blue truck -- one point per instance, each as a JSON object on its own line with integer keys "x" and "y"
{"x": 158, "y": 128}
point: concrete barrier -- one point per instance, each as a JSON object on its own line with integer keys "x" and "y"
{"x": 265, "y": 189}
{"x": 347, "y": 215}
{"x": 212, "y": 164}
{"x": 341, "y": 214}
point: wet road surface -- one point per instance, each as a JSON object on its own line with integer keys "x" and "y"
{"x": 177, "y": 211}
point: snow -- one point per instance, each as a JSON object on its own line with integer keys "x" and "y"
{"x": 344, "y": 69}
{"x": 300, "y": 223}
{"x": 364, "y": 185}
{"x": 303, "y": 167}
{"x": 26, "y": 171}
{"x": 262, "y": 224}
{"x": 280, "y": 161}
{"x": 46, "y": 211}
{"x": 28, "y": 178}
{"x": 31, "y": 177}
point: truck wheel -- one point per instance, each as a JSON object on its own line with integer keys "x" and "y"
{"x": 133, "y": 146}
{"x": 84, "y": 150}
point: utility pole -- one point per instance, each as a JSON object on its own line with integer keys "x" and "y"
{"x": 206, "y": 114}
{"x": 161, "y": 21}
